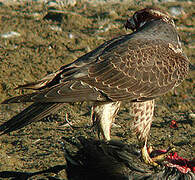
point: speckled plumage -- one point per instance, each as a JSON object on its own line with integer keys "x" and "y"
{"x": 142, "y": 113}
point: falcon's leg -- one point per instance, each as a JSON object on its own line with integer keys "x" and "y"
{"x": 103, "y": 115}
{"x": 142, "y": 113}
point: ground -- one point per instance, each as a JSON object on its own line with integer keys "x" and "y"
{"x": 45, "y": 40}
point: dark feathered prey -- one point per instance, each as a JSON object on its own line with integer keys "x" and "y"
{"x": 137, "y": 67}
{"x": 113, "y": 160}
{"x": 117, "y": 161}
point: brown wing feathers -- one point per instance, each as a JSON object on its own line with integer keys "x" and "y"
{"x": 140, "y": 75}
{"x": 72, "y": 91}
{"x": 138, "y": 66}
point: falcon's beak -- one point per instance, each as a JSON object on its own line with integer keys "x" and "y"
{"x": 130, "y": 24}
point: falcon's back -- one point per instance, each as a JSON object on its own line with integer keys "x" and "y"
{"x": 141, "y": 65}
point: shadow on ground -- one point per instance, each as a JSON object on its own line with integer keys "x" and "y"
{"x": 108, "y": 160}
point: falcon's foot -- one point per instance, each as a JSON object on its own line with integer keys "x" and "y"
{"x": 146, "y": 157}
{"x": 153, "y": 160}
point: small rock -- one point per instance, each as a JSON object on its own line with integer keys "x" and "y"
{"x": 57, "y": 4}
{"x": 70, "y": 35}
{"x": 56, "y": 28}
{"x": 176, "y": 11}
{"x": 10, "y": 34}
{"x": 166, "y": 0}
{"x": 192, "y": 115}
{"x": 113, "y": 14}
{"x": 54, "y": 15}
{"x": 36, "y": 15}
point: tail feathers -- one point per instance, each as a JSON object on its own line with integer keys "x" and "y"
{"x": 41, "y": 83}
{"x": 19, "y": 99}
{"x": 34, "y": 112}
{"x": 32, "y": 85}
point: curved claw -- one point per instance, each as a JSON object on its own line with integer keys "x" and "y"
{"x": 146, "y": 157}
{"x": 163, "y": 156}
{"x": 153, "y": 161}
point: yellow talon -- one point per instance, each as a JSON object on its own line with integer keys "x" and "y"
{"x": 163, "y": 156}
{"x": 152, "y": 161}
{"x": 146, "y": 157}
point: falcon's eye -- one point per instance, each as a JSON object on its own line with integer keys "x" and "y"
{"x": 141, "y": 19}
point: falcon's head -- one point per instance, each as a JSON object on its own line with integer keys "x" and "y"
{"x": 146, "y": 15}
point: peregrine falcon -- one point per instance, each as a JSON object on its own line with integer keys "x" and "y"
{"x": 137, "y": 67}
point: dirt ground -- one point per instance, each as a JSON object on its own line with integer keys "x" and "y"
{"x": 43, "y": 41}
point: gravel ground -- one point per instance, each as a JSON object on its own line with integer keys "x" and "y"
{"x": 34, "y": 41}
